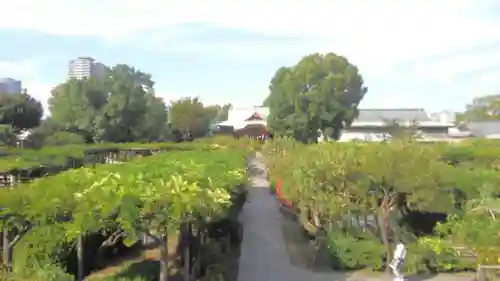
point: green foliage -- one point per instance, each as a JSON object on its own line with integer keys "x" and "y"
{"x": 482, "y": 108}
{"x": 21, "y": 111}
{"x": 42, "y": 272}
{"x": 46, "y": 129}
{"x": 122, "y": 107}
{"x": 317, "y": 96}
{"x": 64, "y": 138}
{"x": 76, "y": 104}
{"x": 41, "y": 246}
{"x": 119, "y": 108}
{"x": 376, "y": 187}
{"x": 152, "y": 195}
{"x": 154, "y": 125}
{"x": 350, "y": 252}
{"x": 433, "y": 254}
{"x": 14, "y": 158}
{"x": 475, "y": 233}
{"x": 272, "y": 186}
{"x": 7, "y": 136}
{"x": 189, "y": 115}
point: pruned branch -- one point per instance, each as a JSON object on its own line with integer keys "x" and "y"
{"x": 155, "y": 238}
{"x": 20, "y": 235}
{"x": 114, "y": 238}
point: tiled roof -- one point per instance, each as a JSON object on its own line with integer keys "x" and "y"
{"x": 382, "y": 115}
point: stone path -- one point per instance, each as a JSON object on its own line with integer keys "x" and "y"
{"x": 264, "y": 256}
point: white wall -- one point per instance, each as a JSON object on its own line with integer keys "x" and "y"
{"x": 350, "y": 136}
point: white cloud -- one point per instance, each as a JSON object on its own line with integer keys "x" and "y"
{"x": 371, "y": 31}
{"x": 376, "y": 35}
{"x": 446, "y": 70}
{"x": 490, "y": 79}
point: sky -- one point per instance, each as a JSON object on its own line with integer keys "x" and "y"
{"x": 430, "y": 54}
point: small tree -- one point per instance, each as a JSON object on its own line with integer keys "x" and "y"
{"x": 401, "y": 174}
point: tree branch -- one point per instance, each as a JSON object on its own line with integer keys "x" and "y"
{"x": 113, "y": 238}
{"x": 157, "y": 240}
{"x": 18, "y": 237}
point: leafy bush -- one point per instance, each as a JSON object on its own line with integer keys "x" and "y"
{"x": 433, "y": 254}
{"x": 349, "y": 252}
{"x": 40, "y": 246}
{"x": 63, "y": 138}
{"x": 7, "y": 136}
{"x": 272, "y": 187}
{"x": 45, "y": 272}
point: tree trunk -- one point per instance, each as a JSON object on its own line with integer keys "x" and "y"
{"x": 7, "y": 251}
{"x": 201, "y": 240}
{"x": 187, "y": 258}
{"x": 382, "y": 220}
{"x": 164, "y": 258}
{"x": 80, "y": 257}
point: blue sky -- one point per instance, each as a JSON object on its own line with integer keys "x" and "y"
{"x": 431, "y": 54}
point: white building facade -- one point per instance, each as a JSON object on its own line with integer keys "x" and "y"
{"x": 85, "y": 67}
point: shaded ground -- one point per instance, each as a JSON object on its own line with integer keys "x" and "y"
{"x": 232, "y": 264}
{"x": 139, "y": 263}
{"x": 268, "y": 255}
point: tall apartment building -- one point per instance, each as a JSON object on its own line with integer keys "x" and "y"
{"x": 10, "y": 86}
{"x": 84, "y": 67}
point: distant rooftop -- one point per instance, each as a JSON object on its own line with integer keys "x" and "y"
{"x": 242, "y": 113}
{"x": 82, "y": 58}
{"x": 396, "y": 114}
{"x": 7, "y": 80}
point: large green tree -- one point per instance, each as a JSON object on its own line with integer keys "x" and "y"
{"x": 124, "y": 113}
{"x": 189, "y": 115}
{"x": 218, "y": 113}
{"x": 155, "y": 120}
{"x": 20, "y": 110}
{"x": 77, "y": 104}
{"x": 119, "y": 107}
{"x": 481, "y": 109}
{"x": 7, "y": 136}
{"x": 319, "y": 95}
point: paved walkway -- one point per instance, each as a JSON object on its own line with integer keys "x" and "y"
{"x": 264, "y": 255}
